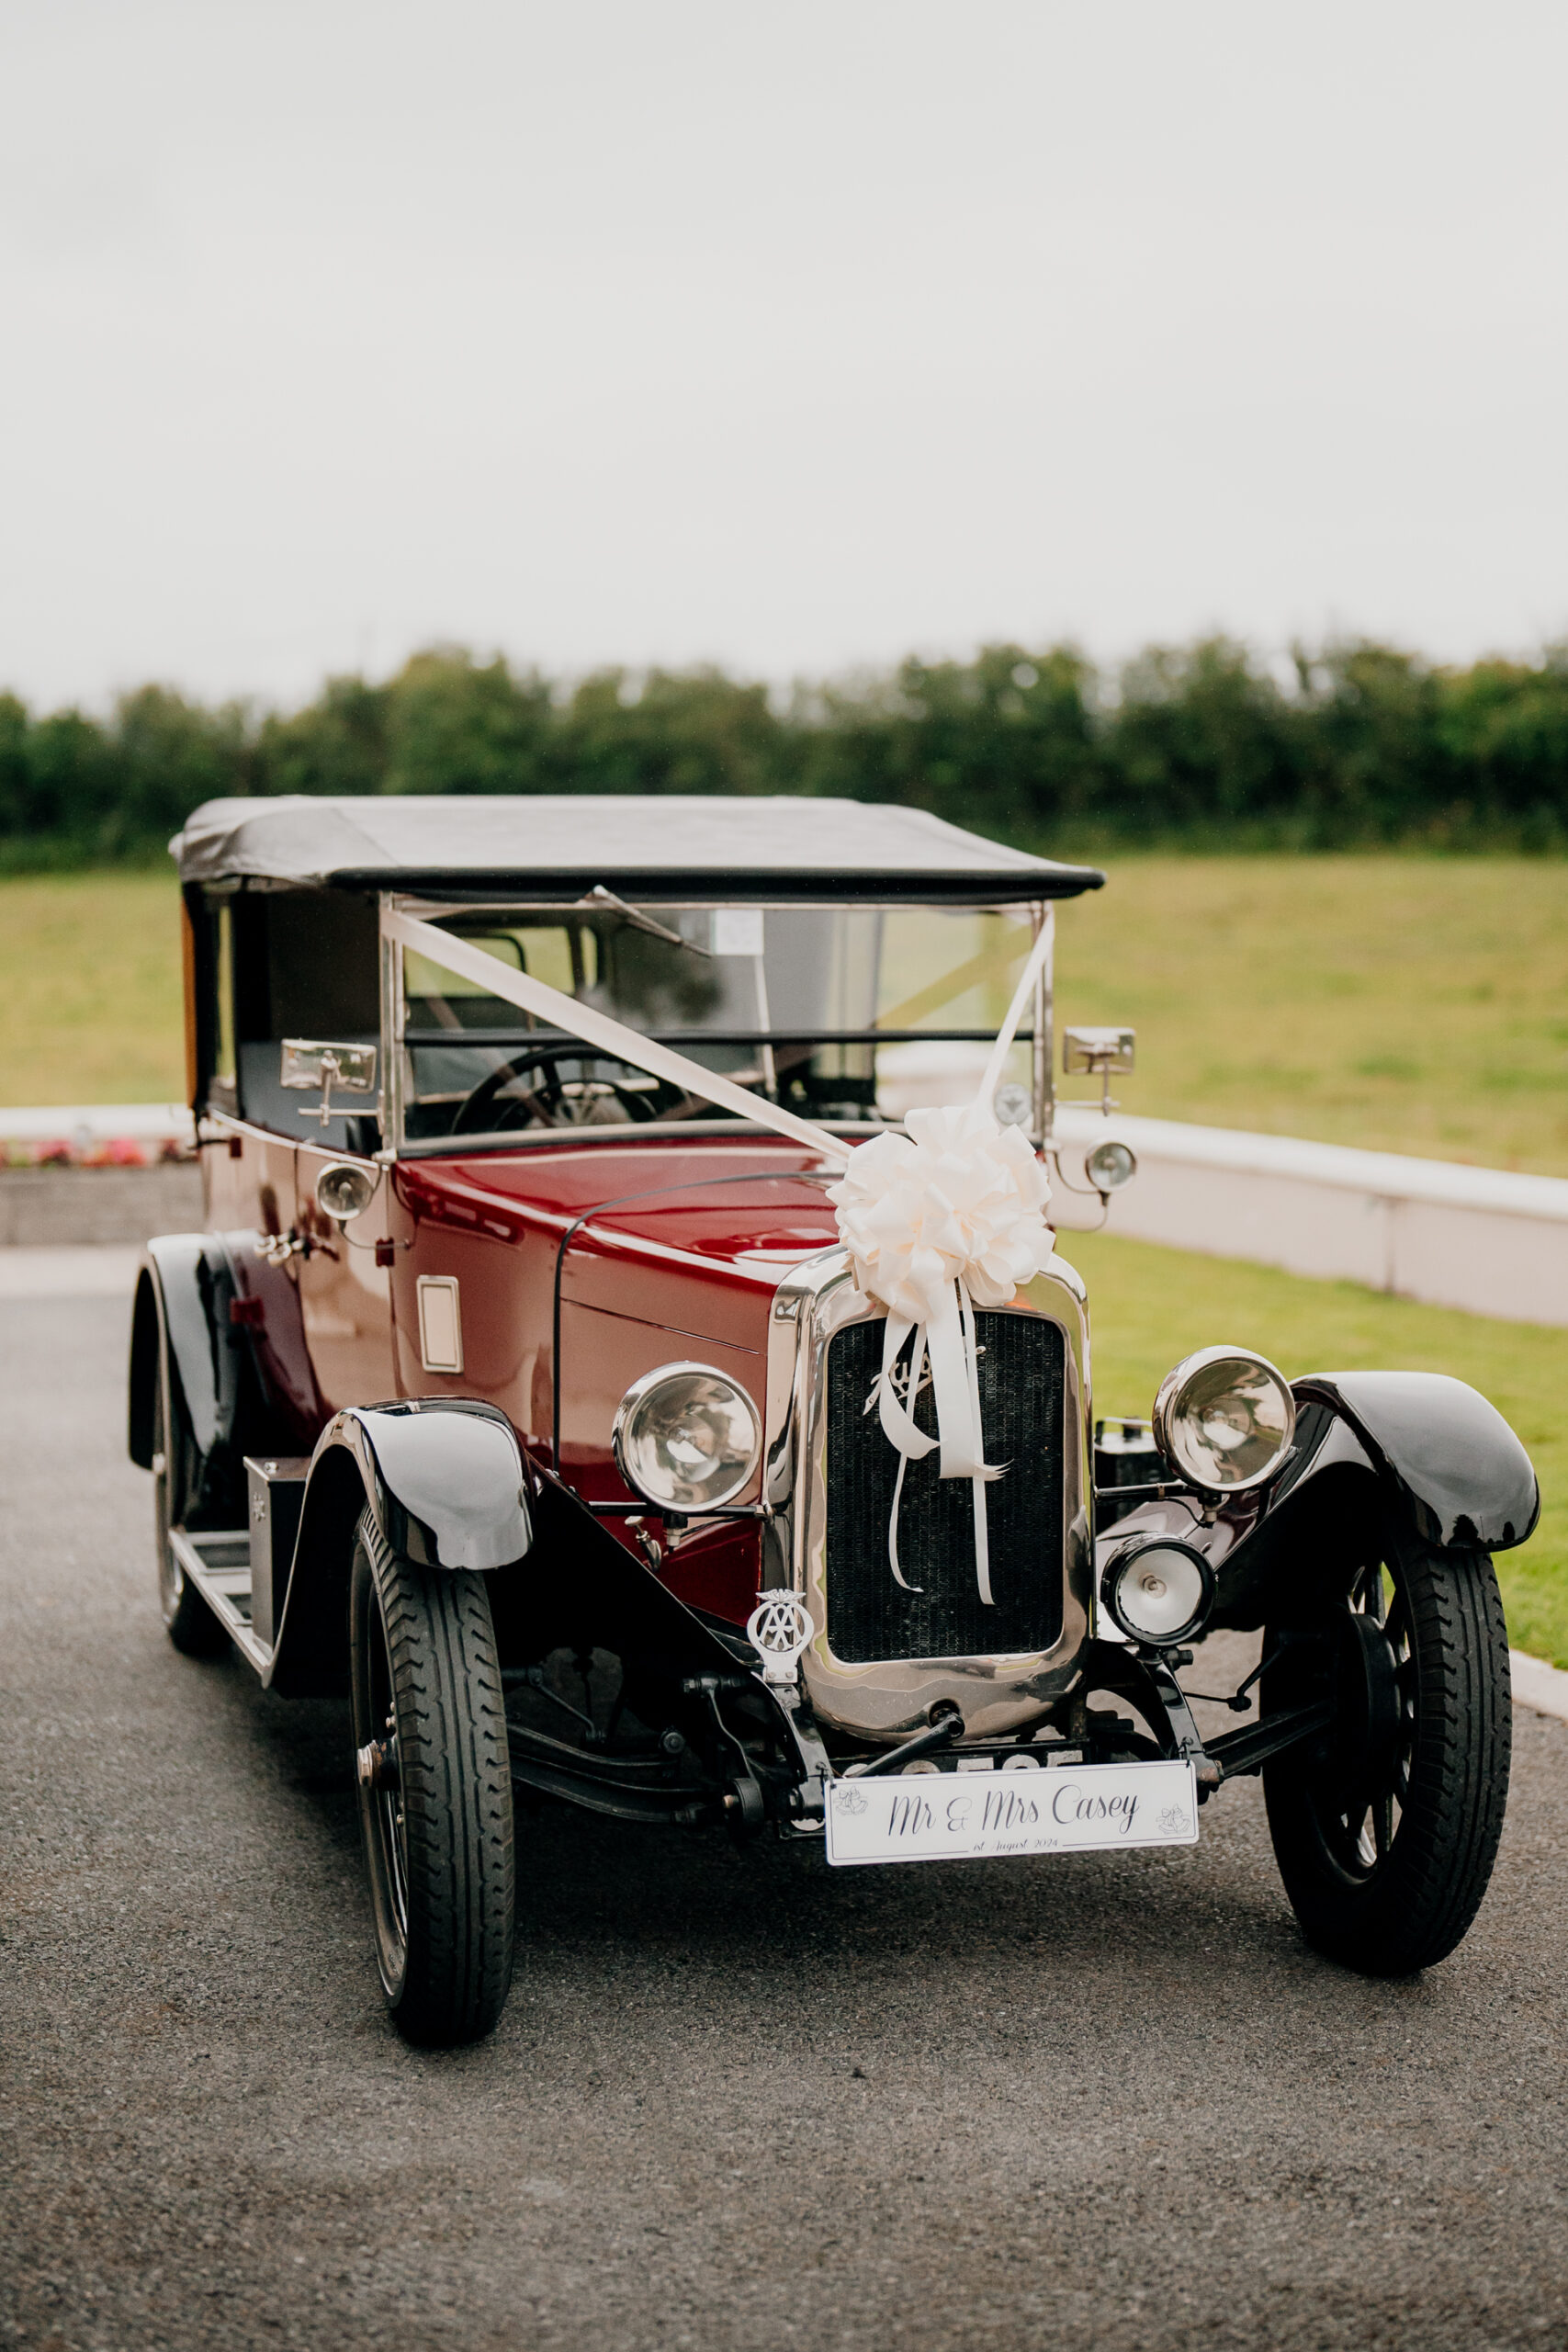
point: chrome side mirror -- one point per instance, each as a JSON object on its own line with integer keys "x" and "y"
{"x": 1098, "y": 1052}
{"x": 308, "y": 1063}
{"x": 344, "y": 1190}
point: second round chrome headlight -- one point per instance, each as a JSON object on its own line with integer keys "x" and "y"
{"x": 1225, "y": 1418}
{"x": 1159, "y": 1592}
{"x": 686, "y": 1437}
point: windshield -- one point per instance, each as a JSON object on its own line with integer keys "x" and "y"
{"x": 847, "y": 1014}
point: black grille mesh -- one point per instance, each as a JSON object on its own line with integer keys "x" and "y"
{"x": 1020, "y": 1406}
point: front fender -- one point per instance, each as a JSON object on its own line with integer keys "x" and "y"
{"x": 449, "y": 1487}
{"x": 1415, "y": 1447}
{"x": 1461, "y": 1474}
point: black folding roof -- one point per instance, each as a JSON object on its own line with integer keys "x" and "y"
{"x": 550, "y": 846}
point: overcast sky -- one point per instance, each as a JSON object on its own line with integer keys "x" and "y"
{"x": 791, "y": 336}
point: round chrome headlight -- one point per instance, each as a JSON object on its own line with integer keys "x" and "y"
{"x": 1225, "y": 1418}
{"x": 1110, "y": 1166}
{"x": 343, "y": 1189}
{"x": 686, "y": 1437}
{"x": 1158, "y": 1591}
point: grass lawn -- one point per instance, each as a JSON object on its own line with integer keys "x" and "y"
{"x": 1151, "y": 1306}
{"x": 90, "y": 979}
{"x": 1396, "y": 1003}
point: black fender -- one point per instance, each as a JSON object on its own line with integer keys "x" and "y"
{"x": 187, "y": 1291}
{"x": 1414, "y": 1450}
{"x": 1460, "y": 1471}
{"x": 183, "y": 1291}
{"x": 557, "y": 1576}
{"x": 450, "y": 1487}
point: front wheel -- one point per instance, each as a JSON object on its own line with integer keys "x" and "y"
{"x": 434, "y": 1780}
{"x": 1385, "y": 1827}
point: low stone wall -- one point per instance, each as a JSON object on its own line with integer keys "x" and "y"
{"x": 43, "y": 1205}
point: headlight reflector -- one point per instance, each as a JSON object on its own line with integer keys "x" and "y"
{"x": 1158, "y": 1591}
{"x": 686, "y": 1437}
{"x": 1226, "y": 1418}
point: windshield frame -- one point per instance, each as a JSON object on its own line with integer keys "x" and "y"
{"x": 1035, "y": 1031}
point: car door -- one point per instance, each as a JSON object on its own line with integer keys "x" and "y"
{"x": 345, "y": 1297}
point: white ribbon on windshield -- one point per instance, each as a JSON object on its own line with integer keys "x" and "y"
{"x": 942, "y": 1219}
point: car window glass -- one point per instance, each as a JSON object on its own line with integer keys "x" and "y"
{"x": 795, "y": 999}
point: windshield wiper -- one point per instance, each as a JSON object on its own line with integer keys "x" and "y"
{"x": 599, "y": 897}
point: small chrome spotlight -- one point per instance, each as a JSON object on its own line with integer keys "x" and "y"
{"x": 1110, "y": 1166}
{"x": 344, "y": 1190}
{"x": 1158, "y": 1591}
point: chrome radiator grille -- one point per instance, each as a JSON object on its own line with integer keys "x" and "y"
{"x": 1022, "y": 1371}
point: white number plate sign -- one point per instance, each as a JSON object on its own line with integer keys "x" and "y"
{"x": 937, "y": 1816}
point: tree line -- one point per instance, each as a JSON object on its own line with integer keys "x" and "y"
{"x": 1204, "y": 746}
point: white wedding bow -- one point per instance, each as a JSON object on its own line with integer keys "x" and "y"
{"x": 949, "y": 1216}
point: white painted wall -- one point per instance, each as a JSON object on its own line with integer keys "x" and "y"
{"x": 1474, "y": 1238}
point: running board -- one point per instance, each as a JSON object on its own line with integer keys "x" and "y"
{"x": 217, "y": 1562}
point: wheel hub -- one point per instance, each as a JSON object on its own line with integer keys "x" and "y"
{"x": 376, "y": 1764}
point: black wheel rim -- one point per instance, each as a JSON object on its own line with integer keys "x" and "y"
{"x": 1361, "y": 1798}
{"x": 388, "y": 1828}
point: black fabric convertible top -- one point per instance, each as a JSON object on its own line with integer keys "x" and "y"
{"x": 543, "y": 845}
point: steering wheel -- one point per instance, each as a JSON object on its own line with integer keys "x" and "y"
{"x": 552, "y": 1107}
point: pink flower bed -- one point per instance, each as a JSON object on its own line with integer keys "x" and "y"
{"x": 101, "y": 1151}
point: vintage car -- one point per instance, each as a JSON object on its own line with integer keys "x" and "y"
{"x": 538, "y": 1383}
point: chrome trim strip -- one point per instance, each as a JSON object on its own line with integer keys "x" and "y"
{"x": 888, "y": 1700}
{"x": 229, "y": 1123}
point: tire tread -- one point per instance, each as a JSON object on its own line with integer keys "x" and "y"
{"x": 455, "y": 1767}
{"x": 1425, "y": 1897}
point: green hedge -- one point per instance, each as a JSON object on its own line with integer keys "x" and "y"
{"x": 1201, "y": 746}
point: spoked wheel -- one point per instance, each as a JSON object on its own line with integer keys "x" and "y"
{"x": 1385, "y": 1827}
{"x": 191, "y": 1625}
{"x": 434, "y": 1780}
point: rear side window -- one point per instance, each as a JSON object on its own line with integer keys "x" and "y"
{"x": 295, "y": 964}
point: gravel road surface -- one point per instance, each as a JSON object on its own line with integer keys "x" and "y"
{"x": 736, "y": 2099}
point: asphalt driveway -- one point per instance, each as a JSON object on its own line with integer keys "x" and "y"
{"x": 736, "y": 2099}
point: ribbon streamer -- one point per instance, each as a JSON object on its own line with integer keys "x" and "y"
{"x": 939, "y": 1221}
{"x": 621, "y": 1044}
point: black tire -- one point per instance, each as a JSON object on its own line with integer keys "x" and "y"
{"x": 434, "y": 1780}
{"x": 188, "y": 1621}
{"x": 1386, "y": 1828}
